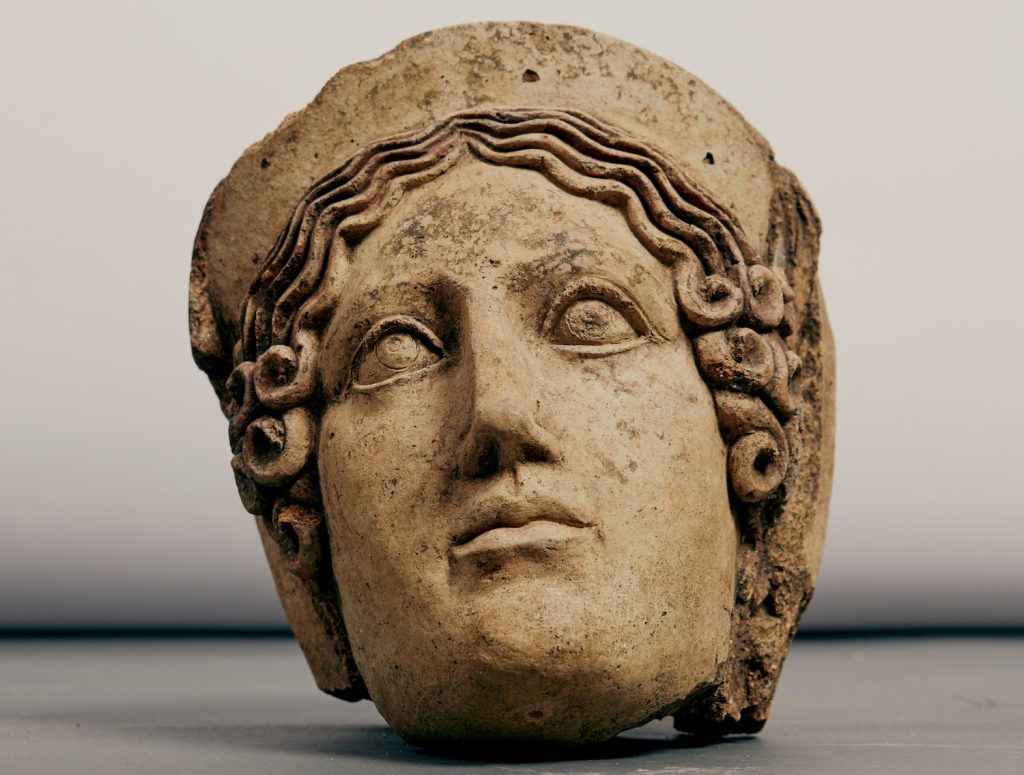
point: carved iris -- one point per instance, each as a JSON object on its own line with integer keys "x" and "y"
{"x": 393, "y": 349}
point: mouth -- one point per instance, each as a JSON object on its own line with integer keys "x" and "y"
{"x": 508, "y": 516}
{"x": 507, "y": 534}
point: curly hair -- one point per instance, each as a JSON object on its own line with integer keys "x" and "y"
{"x": 735, "y": 306}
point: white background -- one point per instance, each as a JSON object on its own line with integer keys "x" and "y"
{"x": 903, "y": 121}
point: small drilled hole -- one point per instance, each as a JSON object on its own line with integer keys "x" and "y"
{"x": 763, "y": 460}
{"x": 487, "y": 460}
{"x": 289, "y": 538}
{"x": 280, "y": 373}
{"x": 267, "y": 439}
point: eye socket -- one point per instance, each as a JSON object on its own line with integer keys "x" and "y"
{"x": 595, "y": 317}
{"x": 392, "y": 349}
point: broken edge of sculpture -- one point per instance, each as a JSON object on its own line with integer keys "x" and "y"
{"x": 603, "y": 120}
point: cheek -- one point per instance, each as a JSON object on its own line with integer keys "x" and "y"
{"x": 650, "y": 441}
{"x": 643, "y": 417}
{"x": 383, "y": 462}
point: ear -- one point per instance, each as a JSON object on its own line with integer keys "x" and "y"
{"x": 296, "y": 544}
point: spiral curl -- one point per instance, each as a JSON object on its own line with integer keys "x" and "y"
{"x": 707, "y": 300}
{"x": 285, "y": 377}
{"x": 737, "y": 358}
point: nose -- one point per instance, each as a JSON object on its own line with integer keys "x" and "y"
{"x": 501, "y": 437}
{"x": 503, "y": 431}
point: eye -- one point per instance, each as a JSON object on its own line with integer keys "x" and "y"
{"x": 392, "y": 349}
{"x": 592, "y": 321}
{"x": 595, "y": 317}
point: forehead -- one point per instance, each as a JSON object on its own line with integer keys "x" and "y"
{"x": 479, "y": 223}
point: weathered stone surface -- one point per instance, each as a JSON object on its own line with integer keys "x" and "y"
{"x": 529, "y": 384}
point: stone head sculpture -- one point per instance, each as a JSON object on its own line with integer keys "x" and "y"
{"x": 529, "y": 385}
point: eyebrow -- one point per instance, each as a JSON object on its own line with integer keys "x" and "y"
{"x": 584, "y": 259}
{"x": 580, "y": 256}
{"x": 566, "y": 257}
{"x": 424, "y": 296}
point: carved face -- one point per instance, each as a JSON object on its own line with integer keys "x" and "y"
{"x": 522, "y": 473}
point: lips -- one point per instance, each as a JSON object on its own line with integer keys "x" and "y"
{"x": 502, "y": 513}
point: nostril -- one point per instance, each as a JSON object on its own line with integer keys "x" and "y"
{"x": 534, "y": 453}
{"x": 486, "y": 459}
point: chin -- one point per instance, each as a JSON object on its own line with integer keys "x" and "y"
{"x": 581, "y": 701}
{"x": 548, "y": 623}
{"x": 555, "y": 676}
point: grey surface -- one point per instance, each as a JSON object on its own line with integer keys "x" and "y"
{"x": 910, "y": 706}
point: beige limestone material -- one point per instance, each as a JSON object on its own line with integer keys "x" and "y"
{"x": 529, "y": 385}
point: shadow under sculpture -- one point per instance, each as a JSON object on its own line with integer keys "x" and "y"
{"x": 537, "y": 433}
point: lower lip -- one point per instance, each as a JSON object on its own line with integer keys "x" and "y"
{"x": 539, "y": 536}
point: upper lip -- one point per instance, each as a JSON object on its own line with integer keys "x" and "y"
{"x": 501, "y": 511}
